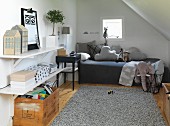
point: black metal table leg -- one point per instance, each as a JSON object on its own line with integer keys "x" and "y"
{"x": 64, "y": 73}
{"x": 73, "y": 67}
{"x": 57, "y": 76}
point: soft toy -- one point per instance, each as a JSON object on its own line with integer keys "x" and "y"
{"x": 120, "y": 57}
{"x": 106, "y": 54}
{"x": 126, "y": 56}
{"x": 145, "y": 71}
{"x": 105, "y": 36}
{"x": 110, "y": 92}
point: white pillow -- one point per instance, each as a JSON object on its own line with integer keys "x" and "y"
{"x": 84, "y": 56}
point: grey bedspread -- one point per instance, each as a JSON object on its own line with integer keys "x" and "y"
{"x": 107, "y": 72}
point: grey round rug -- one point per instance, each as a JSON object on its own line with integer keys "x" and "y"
{"x": 93, "y": 106}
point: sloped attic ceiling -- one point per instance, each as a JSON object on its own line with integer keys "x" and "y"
{"x": 156, "y": 12}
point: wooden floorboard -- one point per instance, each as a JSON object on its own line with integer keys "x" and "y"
{"x": 66, "y": 92}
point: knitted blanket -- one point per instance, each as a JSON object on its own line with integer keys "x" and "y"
{"x": 128, "y": 73}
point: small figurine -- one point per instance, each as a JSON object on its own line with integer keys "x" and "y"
{"x": 105, "y": 35}
{"x": 126, "y": 56}
{"x": 120, "y": 57}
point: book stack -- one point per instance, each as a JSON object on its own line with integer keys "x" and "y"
{"x": 22, "y": 79}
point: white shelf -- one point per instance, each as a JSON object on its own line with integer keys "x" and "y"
{"x": 13, "y": 91}
{"x": 31, "y": 53}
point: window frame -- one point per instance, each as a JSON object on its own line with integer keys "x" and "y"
{"x": 114, "y": 39}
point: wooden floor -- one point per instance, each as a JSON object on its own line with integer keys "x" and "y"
{"x": 66, "y": 92}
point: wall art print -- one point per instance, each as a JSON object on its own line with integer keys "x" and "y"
{"x": 29, "y": 20}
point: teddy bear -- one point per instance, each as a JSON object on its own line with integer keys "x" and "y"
{"x": 126, "y": 56}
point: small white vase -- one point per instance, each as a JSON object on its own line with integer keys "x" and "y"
{"x": 51, "y": 41}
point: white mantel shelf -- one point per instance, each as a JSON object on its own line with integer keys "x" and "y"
{"x": 14, "y": 91}
{"x": 31, "y": 53}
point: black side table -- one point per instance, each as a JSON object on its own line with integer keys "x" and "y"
{"x": 68, "y": 59}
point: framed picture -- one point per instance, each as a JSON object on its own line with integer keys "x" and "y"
{"x": 29, "y": 20}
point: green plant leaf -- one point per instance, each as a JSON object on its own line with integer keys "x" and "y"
{"x": 55, "y": 16}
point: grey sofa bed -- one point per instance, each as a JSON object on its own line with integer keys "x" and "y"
{"x": 108, "y": 72}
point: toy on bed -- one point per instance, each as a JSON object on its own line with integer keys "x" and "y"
{"x": 145, "y": 74}
{"x": 106, "y": 54}
{"x": 126, "y": 56}
{"x": 120, "y": 55}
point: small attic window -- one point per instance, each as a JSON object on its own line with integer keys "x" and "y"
{"x": 115, "y": 28}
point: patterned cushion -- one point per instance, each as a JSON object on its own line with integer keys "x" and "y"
{"x": 94, "y": 49}
{"x": 42, "y": 71}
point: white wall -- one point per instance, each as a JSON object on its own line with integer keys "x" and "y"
{"x": 138, "y": 32}
{"x": 10, "y": 16}
{"x": 155, "y": 12}
{"x": 69, "y": 10}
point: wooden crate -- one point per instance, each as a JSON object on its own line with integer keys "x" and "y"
{"x": 35, "y": 112}
{"x": 166, "y": 101}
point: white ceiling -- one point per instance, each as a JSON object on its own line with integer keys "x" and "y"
{"x": 156, "y": 12}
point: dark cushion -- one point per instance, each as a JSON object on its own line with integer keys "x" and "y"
{"x": 94, "y": 49}
{"x": 82, "y": 47}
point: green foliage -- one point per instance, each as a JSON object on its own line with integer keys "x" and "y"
{"x": 55, "y": 16}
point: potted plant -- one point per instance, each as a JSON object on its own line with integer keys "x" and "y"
{"x": 55, "y": 16}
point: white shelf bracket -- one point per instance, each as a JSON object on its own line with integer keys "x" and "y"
{"x": 16, "y": 62}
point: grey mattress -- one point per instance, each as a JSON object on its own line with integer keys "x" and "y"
{"x": 107, "y": 72}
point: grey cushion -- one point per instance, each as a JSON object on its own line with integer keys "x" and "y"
{"x": 133, "y": 49}
{"x": 137, "y": 56}
{"x": 117, "y": 48}
{"x": 106, "y": 54}
{"x": 82, "y": 47}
